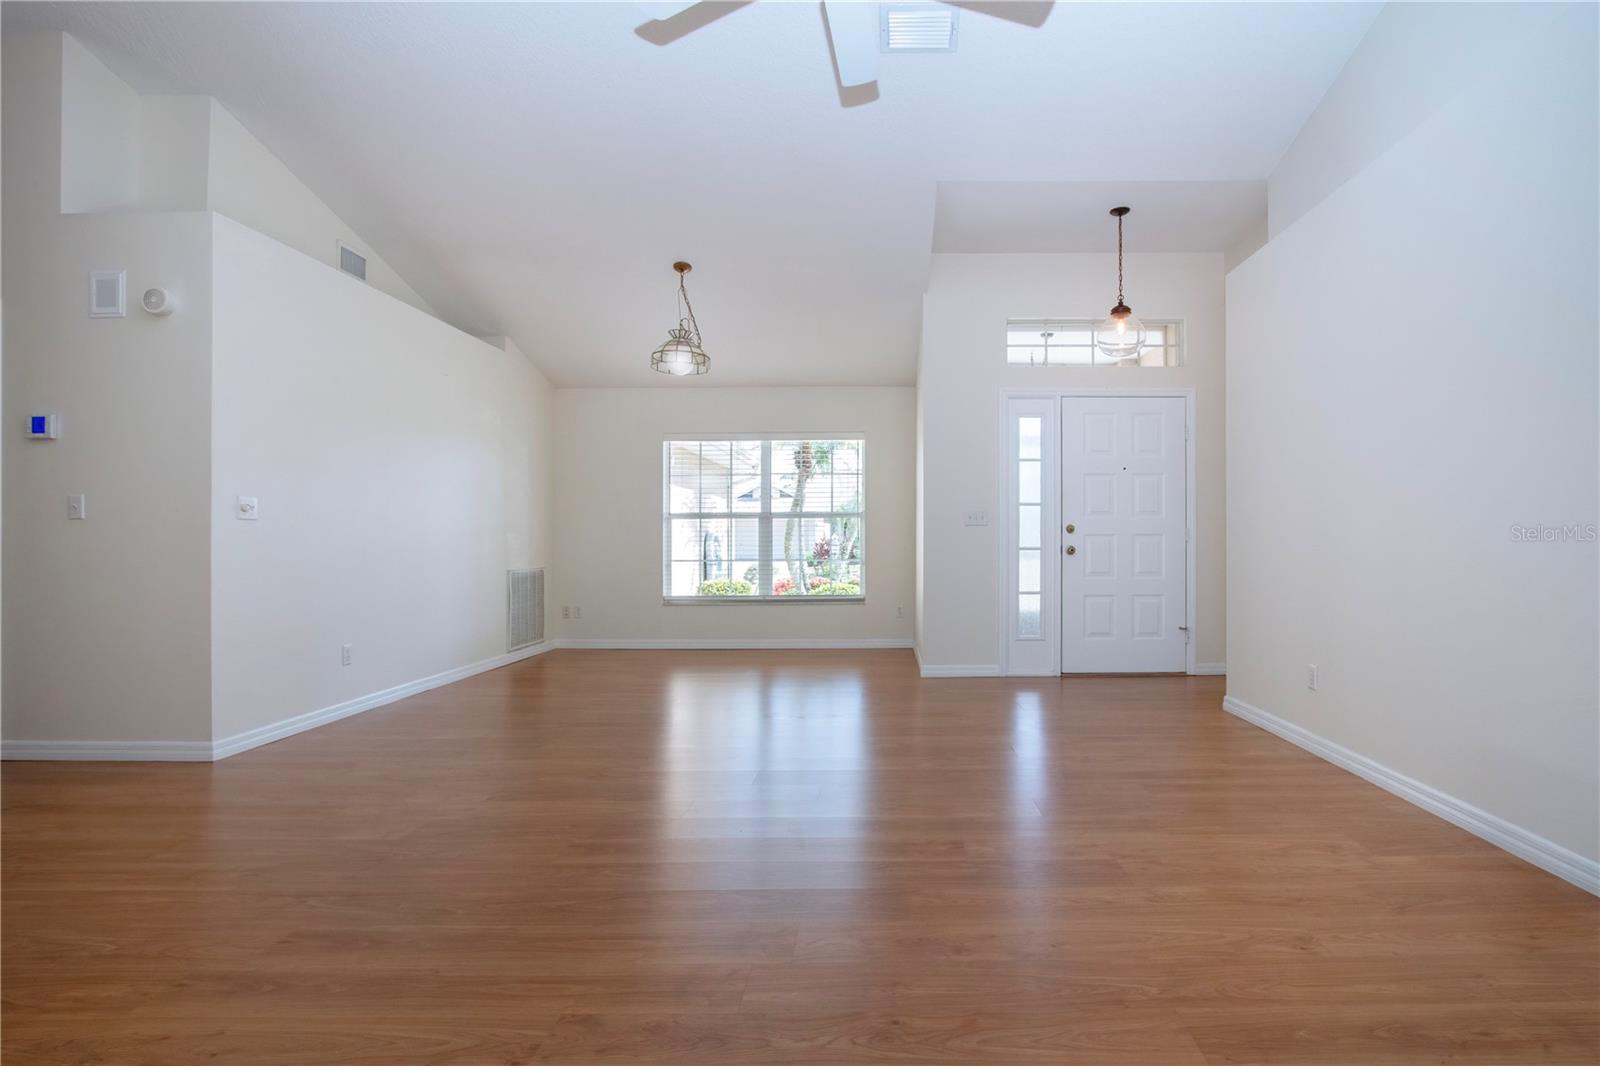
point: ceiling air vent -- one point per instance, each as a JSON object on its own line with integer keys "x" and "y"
{"x": 916, "y": 28}
{"x": 352, "y": 262}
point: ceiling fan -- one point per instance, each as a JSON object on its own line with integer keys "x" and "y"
{"x": 858, "y": 30}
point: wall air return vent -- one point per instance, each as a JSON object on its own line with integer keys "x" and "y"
{"x": 108, "y": 293}
{"x": 916, "y": 28}
{"x": 352, "y": 262}
{"x": 524, "y": 608}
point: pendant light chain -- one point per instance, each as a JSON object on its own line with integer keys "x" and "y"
{"x": 683, "y": 296}
{"x": 1119, "y": 259}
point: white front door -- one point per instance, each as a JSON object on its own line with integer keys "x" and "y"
{"x": 1123, "y": 517}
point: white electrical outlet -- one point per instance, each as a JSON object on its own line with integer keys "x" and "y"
{"x": 245, "y": 508}
{"x": 346, "y": 653}
{"x": 899, "y": 612}
{"x": 1311, "y": 676}
{"x": 566, "y": 612}
{"x": 977, "y": 518}
{"x": 77, "y": 507}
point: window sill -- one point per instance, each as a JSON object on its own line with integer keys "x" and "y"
{"x": 737, "y": 601}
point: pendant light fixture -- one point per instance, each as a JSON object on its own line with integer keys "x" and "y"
{"x": 1121, "y": 336}
{"x": 682, "y": 354}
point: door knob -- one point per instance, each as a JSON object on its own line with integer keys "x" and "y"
{"x": 1072, "y": 549}
{"x": 1071, "y": 528}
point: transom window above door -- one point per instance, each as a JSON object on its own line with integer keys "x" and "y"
{"x": 1070, "y": 342}
{"x": 780, "y": 519}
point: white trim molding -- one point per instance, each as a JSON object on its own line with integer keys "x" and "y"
{"x": 212, "y": 751}
{"x": 1208, "y": 669}
{"x": 288, "y": 727}
{"x": 731, "y": 643}
{"x": 1523, "y": 843}
{"x": 108, "y": 750}
{"x": 981, "y": 670}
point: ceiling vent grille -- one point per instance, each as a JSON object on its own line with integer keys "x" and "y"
{"x": 524, "y": 608}
{"x": 352, "y": 262}
{"x": 916, "y": 28}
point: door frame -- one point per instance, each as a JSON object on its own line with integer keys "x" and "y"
{"x": 1052, "y": 542}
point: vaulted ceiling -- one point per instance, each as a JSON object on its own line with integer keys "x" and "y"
{"x": 534, "y": 169}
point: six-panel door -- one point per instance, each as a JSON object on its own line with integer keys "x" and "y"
{"x": 1123, "y": 521}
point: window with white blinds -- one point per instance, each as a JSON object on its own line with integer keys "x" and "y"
{"x": 1070, "y": 342}
{"x": 779, "y": 519}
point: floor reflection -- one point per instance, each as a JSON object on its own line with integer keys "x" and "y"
{"x": 768, "y": 769}
{"x": 1030, "y": 745}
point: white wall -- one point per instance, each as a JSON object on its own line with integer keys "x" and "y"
{"x": 106, "y": 619}
{"x": 99, "y": 130}
{"x": 608, "y": 483}
{"x": 1415, "y": 59}
{"x": 251, "y": 185}
{"x": 960, "y": 377}
{"x": 401, "y": 471}
{"x": 402, "y": 466}
{"x": 1412, "y": 372}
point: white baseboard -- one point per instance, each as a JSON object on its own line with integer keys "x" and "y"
{"x": 108, "y": 750}
{"x": 979, "y": 670}
{"x": 1524, "y": 844}
{"x": 1209, "y": 670}
{"x": 288, "y": 727}
{"x": 210, "y": 751}
{"x": 729, "y": 643}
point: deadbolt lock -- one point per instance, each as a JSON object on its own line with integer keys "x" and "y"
{"x": 1072, "y": 549}
{"x": 1071, "y": 528}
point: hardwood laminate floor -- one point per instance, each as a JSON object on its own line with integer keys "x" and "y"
{"x": 774, "y": 857}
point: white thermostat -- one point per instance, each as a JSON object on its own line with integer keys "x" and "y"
{"x": 158, "y": 302}
{"x": 43, "y": 427}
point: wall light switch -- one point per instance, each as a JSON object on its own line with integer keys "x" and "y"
{"x": 43, "y": 427}
{"x": 245, "y": 509}
{"x": 77, "y": 508}
{"x": 977, "y": 518}
{"x": 346, "y": 653}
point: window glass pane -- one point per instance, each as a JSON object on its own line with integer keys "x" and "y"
{"x": 716, "y": 469}
{"x": 1071, "y": 343}
{"x": 1028, "y": 481}
{"x": 683, "y": 539}
{"x": 846, "y": 457}
{"x": 746, "y": 476}
{"x": 816, "y": 556}
{"x": 1029, "y": 622}
{"x": 683, "y": 476}
{"x": 685, "y": 578}
{"x": 1028, "y": 570}
{"x": 1028, "y": 526}
{"x": 846, "y": 492}
{"x": 1028, "y": 430}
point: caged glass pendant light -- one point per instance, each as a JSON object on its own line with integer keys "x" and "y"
{"x": 682, "y": 354}
{"x": 1121, "y": 336}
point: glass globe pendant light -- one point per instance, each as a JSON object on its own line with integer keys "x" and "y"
{"x": 682, "y": 355}
{"x": 1121, "y": 336}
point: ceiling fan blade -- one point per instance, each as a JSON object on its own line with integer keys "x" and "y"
{"x": 665, "y": 9}
{"x": 1027, "y": 12}
{"x": 853, "y": 31}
